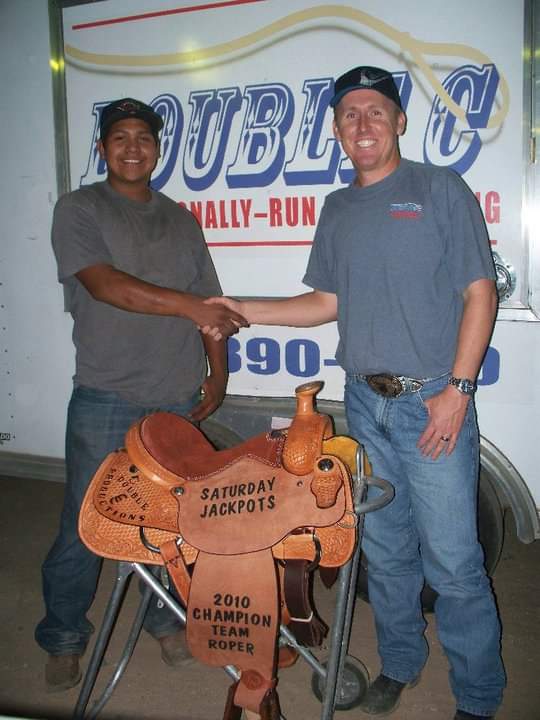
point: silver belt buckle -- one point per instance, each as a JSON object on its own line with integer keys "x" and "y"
{"x": 410, "y": 384}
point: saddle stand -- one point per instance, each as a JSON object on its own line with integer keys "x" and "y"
{"x": 239, "y": 532}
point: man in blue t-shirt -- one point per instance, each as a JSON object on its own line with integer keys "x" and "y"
{"x": 401, "y": 260}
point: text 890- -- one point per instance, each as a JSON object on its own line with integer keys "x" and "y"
{"x": 265, "y": 356}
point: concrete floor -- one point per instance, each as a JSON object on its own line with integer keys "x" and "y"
{"x": 28, "y": 515}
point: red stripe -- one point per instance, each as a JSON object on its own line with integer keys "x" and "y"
{"x": 162, "y": 13}
{"x": 260, "y": 244}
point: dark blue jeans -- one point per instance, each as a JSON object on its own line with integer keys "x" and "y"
{"x": 96, "y": 425}
{"x": 427, "y": 531}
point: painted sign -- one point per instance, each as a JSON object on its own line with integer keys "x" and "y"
{"x": 243, "y": 87}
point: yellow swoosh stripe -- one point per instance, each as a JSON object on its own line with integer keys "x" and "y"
{"x": 416, "y": 48}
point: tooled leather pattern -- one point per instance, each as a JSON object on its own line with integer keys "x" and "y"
{"x": 124, "y": 494}
{"x": 303, "y": 443}
{"x": 132, "y": 496}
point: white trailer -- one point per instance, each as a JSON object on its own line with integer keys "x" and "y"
{"x": 243, "y": 86}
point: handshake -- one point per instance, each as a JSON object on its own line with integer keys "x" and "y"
{"x": 220, "y": 317}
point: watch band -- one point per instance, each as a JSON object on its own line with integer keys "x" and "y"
{"x": 464, "y": 385}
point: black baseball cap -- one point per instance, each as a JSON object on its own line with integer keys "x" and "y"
{"x": 129, "y": 108}
{"x": 366, "y": 77}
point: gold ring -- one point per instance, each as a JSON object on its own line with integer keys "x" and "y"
{"x": 445, "y": 438}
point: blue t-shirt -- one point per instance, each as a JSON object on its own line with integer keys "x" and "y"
{"x": 399, "y": 254}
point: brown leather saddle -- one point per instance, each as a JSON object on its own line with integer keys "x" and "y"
{"x": 239, "y": 530}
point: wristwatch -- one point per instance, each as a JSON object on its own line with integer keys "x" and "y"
{"x": 464, "y": 385}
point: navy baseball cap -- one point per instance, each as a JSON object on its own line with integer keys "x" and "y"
{"x": 129, "y": 108}
{"x": 366, "y": 77}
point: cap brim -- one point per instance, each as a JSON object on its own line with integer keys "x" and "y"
{"x": 337, "y": 97}
{"x": 341, "y": 94}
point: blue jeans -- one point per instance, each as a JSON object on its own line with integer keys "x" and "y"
{"x": 428, "y": 531}
{"x": 96, "y": 425}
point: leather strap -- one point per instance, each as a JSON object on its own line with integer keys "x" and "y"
{"x": 296, "y": 546}
{"x": 233, "y": 619}
{"x": 232, "y": 711}
{"x": 269, "y": 709}
{"x": 307, "y": 627}
{"x": 177, "y": 569}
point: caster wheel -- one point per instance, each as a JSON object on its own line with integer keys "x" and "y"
{"x": 351, "y": 687}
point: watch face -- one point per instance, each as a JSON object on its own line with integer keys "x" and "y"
{"x": 463, "y": 385}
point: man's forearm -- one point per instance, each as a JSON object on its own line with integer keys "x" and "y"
{"x": 480, "y": 309}
{"x": 107, "y": 284}
{"x": 114, "y": 287}
{"x": 307, "y": 310}
{"x": 216, "y": 352}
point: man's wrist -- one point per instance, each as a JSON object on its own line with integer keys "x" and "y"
{"x": 188, "y": 305}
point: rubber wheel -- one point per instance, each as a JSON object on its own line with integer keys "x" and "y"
{"x": 351, "y": 687}
{"x": 490, "y": 533}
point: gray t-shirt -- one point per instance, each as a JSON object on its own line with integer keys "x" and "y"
{"x": 146, "y": 359}
{"x": 399, "y": 254}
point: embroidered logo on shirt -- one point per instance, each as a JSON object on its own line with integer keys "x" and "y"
{"x": 409, "y": 210}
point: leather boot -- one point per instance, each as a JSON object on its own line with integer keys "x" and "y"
{"x": 62, "y": 672}
{"x": 174, "y": 650}
{"x": 383, "y": 695}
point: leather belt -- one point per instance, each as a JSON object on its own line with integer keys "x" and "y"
{"x": 392, "y": 386}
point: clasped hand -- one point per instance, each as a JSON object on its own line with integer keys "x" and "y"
{"x": 223, "y": 317}
{"x": 219, "y": 317}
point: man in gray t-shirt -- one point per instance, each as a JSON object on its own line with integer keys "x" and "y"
{"x": 401, "y": 260}
{"x": 136, "y": 271}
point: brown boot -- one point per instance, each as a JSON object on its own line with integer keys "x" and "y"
{"x": 62, "y": 672}
{"x": 174, "y": 650}
{"x": 383, "y": 695}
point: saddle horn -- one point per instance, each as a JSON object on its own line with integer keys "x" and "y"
{"x": 307, "y": 431}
